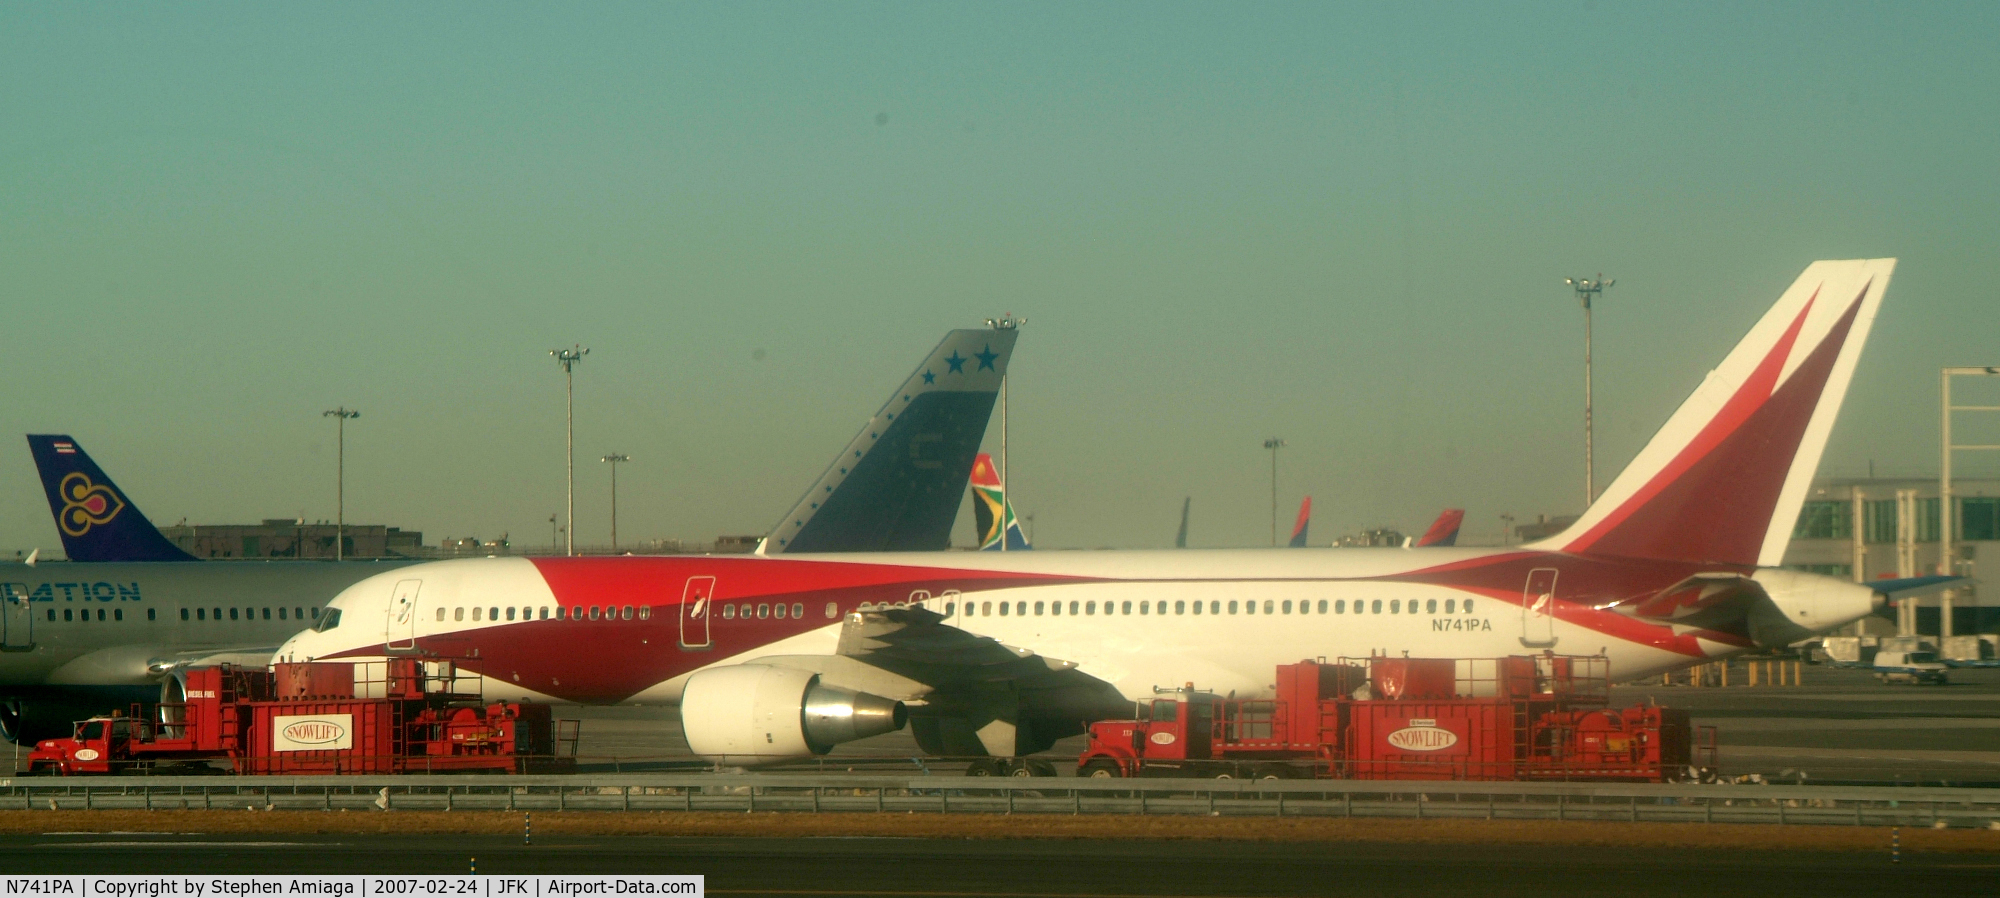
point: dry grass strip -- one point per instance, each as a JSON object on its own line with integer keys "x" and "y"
{"x": 1017, "y": 826}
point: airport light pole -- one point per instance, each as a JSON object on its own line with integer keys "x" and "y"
{"x": 613, "y": 459}
{"x": 555, "y": 538}
{"x": 1274, "y": 444}
{"x": 568, "y": 358}
{"x": 1006, "y": 322}
{"x": 341, "y": 415}
{"x": 1588, "y": 290}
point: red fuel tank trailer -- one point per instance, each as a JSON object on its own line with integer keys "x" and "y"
{"x": 1521, "y": 717}
{"x": 403, "y": 715}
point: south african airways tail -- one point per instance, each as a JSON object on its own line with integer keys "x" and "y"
{"x": 990, "y": 507}
{"x": 95, "y": 518}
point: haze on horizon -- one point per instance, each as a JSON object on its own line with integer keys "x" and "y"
{"x": 1345, "y": 225}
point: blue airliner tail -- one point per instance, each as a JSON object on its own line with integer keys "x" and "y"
{"x": 97, "y": 522}
{"x": 898, "y": 485}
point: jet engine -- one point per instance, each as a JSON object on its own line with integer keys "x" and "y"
{"x": 750, "y": 714}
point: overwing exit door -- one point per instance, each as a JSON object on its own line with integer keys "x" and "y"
{"x": 696, "y": 600}
{"x": 17, "y": 620}
{"x": 1538, "y": 599}
{"x": 401, "y": 630}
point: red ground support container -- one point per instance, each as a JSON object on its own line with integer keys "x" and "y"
{"x": 1414, "y": 678}
{"x": 1520, "y": 717}
{"x": 402, "y": 715}
{"x": 312, "y": 680}
{"x": 321, "y": 737}
{"x": 1432, "y": 740}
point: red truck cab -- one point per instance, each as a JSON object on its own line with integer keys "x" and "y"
{"x": 99, "y": 745}
{"x": 1169, "y": 733}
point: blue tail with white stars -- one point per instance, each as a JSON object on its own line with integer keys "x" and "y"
{"x": 93, "y": 516}
{"x": 898, "y": 485}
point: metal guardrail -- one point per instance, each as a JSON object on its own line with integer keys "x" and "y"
{"x": 1682, "y": 803}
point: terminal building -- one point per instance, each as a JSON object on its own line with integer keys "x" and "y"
{"x": 291, "y": 538}
{"x": 1866, "y": 529}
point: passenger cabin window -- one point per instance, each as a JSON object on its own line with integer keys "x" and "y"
{"x": 1322, "y": 606}
{"x": 184, "y": 614}
{"x": 626, "y": 613}
{"x": 1003, "y": 609}
{"x": 544, "y": 613}
{"x": 1232, "y": 606}
{"x": 1447, "y": 605}
{"x": 799, "y": 610}
{"x": 267, "y": 613}
{"x": 458, "y": 614}
{"x": 1467, "y": 605}
{"x": 1125, "y": 608}
{"x": 66, "y": 615}
{"x": 763, "y": 611}
{"x": 1430, "y": 606}
{"x": 729, "y": 612}
{"x": 833, "y": 610}
{"x": 149, "y": 614}
{"x": 645, "y": 612}
{"x": 1090, "y": 607}
{"x": 1375, "y": 607}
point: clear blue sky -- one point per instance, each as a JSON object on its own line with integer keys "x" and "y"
{"x": 1342, "y": 224}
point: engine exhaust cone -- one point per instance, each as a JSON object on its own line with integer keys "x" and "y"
{"x": 833, "y": 715}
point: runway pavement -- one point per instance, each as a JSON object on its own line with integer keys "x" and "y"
{"x": 1070, "y": 869}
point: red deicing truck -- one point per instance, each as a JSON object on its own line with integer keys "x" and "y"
{"x": 402, "y": 715}
{"x": 1521, "y": 717}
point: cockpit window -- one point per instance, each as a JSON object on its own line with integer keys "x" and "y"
{"x": 327, "y": 621}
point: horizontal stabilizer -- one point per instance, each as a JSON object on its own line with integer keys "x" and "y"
{"x": 1915, "y": 586}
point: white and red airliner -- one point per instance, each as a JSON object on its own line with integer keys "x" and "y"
{"x": 784, "y": 656}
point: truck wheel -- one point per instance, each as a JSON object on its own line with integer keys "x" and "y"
{"x": 1271, "y": 772}
{"x": 1102, "y": 769}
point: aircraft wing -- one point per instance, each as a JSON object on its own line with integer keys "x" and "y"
{"x": 969, "y": 694}
{"x": 241, "y": 656}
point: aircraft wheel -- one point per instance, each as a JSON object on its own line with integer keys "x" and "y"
{"x": 984, "y": 767}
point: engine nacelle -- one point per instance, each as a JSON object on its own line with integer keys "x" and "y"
{"x": 750, "y": 714}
